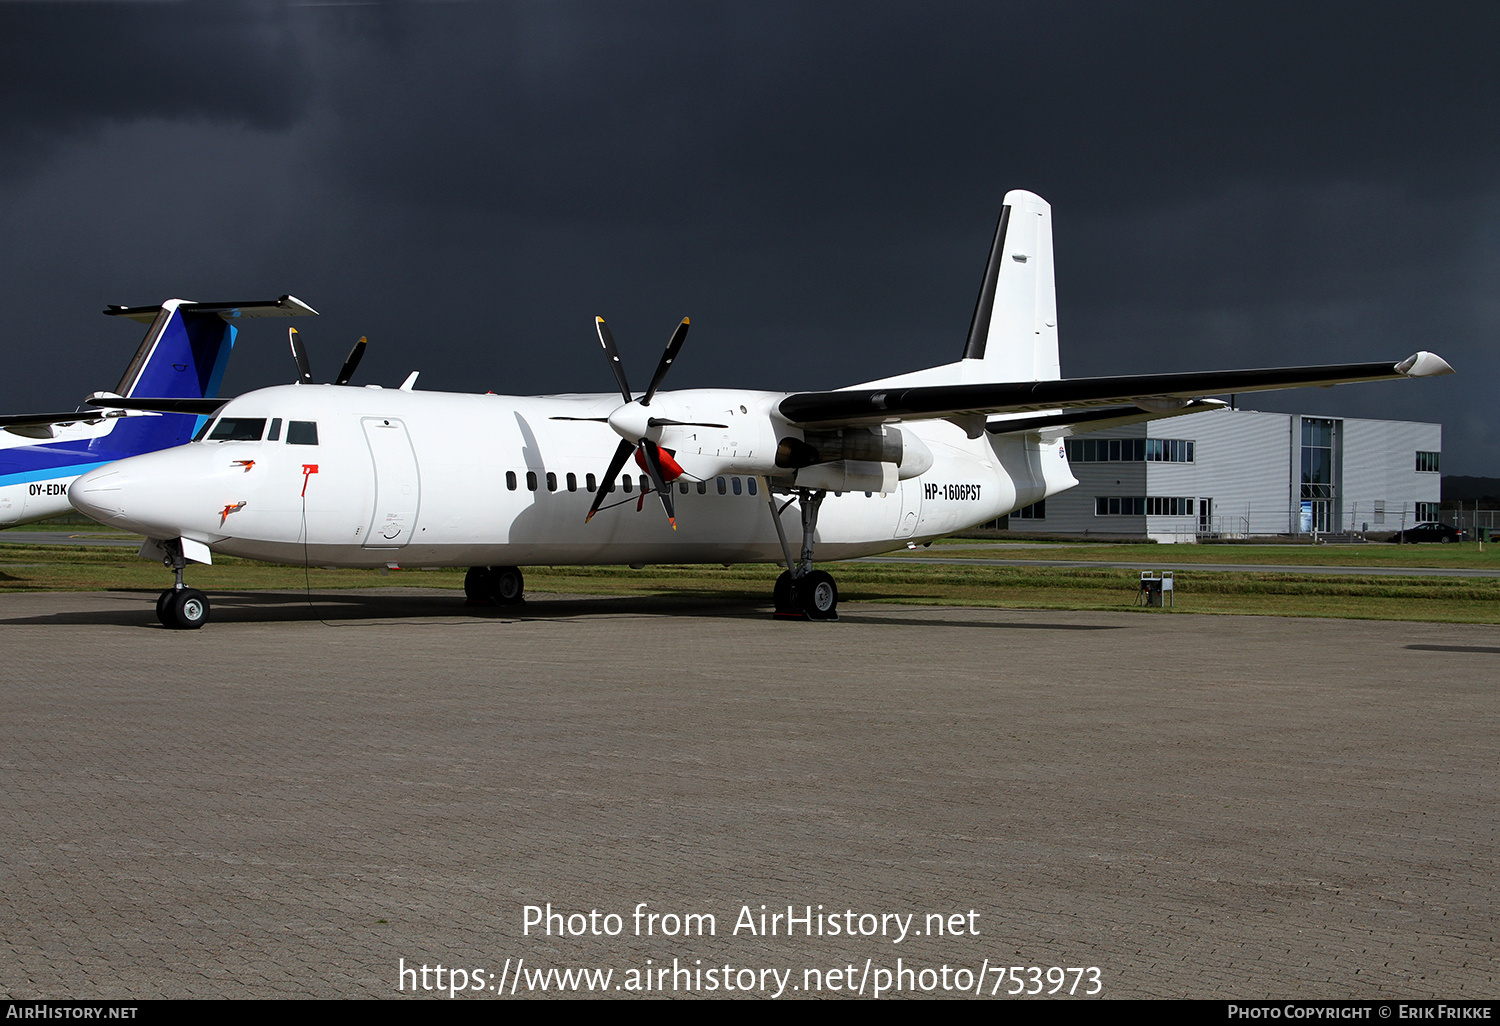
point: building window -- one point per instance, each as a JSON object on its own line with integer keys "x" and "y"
{"x": 1036, "y": 511}
{"x": 1427, "y": 510}
{"x": 1428, "y": 463}
{"x": 1141, "y": 506}
{"x": 1129, "y": 450}
{"x": 1317, "y": 472}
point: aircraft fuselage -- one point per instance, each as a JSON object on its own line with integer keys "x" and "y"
{"x": 437, "y": 479}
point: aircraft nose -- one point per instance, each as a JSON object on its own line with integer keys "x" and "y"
{"x": 98, "y": 494}
{"x": 145, "y": 494}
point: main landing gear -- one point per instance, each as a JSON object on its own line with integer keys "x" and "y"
{"x": 180, "y": 607}
{"x": 803, "y": 593}
{"x": 494, "y": 586}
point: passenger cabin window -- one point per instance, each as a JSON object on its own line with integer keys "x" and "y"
{"x": 625, "y": 483}
{"x": 238, "y": 429}
{"x": 510, "y": 480}
{"x": 736, "y": 483}
{"x": 274, "y": 435}
{"x": 750, "y": 484}
{"x": 645, "y": 483}
{"x": 589, "y": 483}
{"x": 722, "y": 488}
{"x": 551, "y": 481}
{"x": 531, "y": 480}
{"x": 302, "y": 432}
{"x": 572, "y": 482}
{"x": 702, "y": 487}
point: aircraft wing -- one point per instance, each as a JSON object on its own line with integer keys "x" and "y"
{"x": 1152, "y": 392}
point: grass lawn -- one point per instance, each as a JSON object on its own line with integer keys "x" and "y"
{"x": 26, "y": 567}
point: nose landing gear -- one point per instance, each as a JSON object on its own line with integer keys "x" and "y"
{"x": 180, "y": 607}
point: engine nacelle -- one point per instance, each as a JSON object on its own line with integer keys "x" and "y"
{"x": 849, "y": 476}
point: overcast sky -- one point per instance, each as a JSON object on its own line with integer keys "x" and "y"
{"x": 815, "y": 184}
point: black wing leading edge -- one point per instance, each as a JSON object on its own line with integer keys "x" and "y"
{"x": 1151, "y": 392}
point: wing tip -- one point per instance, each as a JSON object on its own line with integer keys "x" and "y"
{"x": 1424, "y": 365}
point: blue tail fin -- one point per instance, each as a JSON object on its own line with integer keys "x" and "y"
{"x": 183, "y": 356}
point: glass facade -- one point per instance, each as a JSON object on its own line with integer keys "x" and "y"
{"x": 1317, "y": 472}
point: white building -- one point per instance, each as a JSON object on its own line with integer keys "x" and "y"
{"x": 1237, "y": 473}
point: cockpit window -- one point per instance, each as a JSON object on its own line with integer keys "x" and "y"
{"x": 274, "y": 435}
{"x": 302, "y": 432}
{"x": 203, "y": 431}
{"x": 238, "y": 429}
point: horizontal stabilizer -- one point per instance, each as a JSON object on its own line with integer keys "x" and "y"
{"x": 1152, "y": 392}
{"x": 200, "y": 407}
{"x": 286, "y": 306}
{"x": 36, "y": 419}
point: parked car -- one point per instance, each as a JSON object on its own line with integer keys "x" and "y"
{"x": 1432, "y": 531}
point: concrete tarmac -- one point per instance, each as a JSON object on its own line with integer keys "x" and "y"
{"x": 302, "y": 800}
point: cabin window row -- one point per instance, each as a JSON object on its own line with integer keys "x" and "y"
{"x": 535, "y": 481}
{"x": 253, "y": 429}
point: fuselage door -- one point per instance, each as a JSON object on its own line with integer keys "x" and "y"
{"x": 911, "y": 507}
{"x": 397, "y": 483}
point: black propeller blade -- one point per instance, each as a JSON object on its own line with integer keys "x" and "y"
{"x": 304, "y": 365}
{"x": 653, "y": 464}
{"x": 299, "y": 353}
{"x": 673, "y": 345}
{"x": 613, "y": 353}
{"x": 622, "y": 453}
{"x": 355, "y": 355}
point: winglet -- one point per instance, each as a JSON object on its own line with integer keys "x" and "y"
{"x": 1423, "y": 365}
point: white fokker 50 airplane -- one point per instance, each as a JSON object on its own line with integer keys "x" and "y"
{"x": 362, "y": 477}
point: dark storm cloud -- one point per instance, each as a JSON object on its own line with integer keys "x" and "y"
{"x": 817, "y": 108}
{"x": 71, "y": 67}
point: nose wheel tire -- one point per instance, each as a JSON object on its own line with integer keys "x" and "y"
{"x": 183, "y": 609}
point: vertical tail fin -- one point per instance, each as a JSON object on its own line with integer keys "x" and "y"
{"x": 183, "y": 356}
{"x": 1013, "y": 336}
